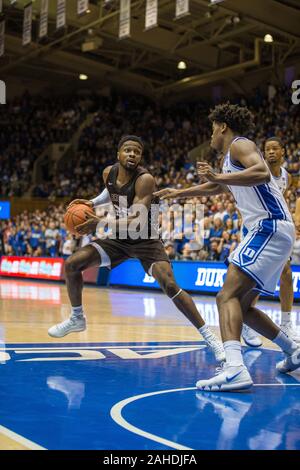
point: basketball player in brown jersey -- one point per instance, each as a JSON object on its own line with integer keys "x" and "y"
{"x": 129, "y": 180}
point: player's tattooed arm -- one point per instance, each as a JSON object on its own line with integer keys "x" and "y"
{"x": 244, "y": 153}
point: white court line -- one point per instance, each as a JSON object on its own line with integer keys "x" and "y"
{"x": 197, "y": 344}
{"x": 116, "y": 413}
{"x": 276, "y": 385}
{"x": 20, "y": 439}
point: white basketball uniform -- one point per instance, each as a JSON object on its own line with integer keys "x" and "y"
{"x": 282, "y": 181}
{"x": 268, "y": 229}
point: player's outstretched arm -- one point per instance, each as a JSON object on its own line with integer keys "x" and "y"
{"x": 245, "y": 154}
{"x": 205, "y": 189}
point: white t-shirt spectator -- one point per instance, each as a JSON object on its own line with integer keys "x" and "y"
{"x": 220, "y": 215}
{"x": 51, "y": 236}
{"x": 68, "y": 247}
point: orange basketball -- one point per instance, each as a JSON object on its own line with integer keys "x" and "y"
{"x": 76, "y": 215}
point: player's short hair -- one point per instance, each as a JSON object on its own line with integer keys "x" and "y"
{"x": 238, "y": 118}
{"x": 275, "y": 139}
{"x": 133, "y": 138}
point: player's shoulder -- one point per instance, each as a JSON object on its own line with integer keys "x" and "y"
{"x": 243, "y": 145}
{"x": 285, "y": 172}
{"x": 289, "y": 177}
{"x": 145, "y": 176}
{"x": 145, "y": 179}
{"x": 106, "y": 171}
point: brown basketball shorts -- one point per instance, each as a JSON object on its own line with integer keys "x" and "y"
{"x": 115, "y": 252}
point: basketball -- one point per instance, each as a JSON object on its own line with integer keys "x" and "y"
{"x": 76, "y": 215}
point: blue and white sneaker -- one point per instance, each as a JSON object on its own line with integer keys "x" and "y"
{"x": 71, "y": 325}
{"x": 250, "y": 337}
{"x": 290, "y": 363}
{"x": 227, "y": 378}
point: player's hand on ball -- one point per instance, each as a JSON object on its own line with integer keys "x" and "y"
{"x": 204, "y": 170}
{"x": 80, "y": 201}
{"x": 166, "y": 193}
{"x": 89, "y": 226}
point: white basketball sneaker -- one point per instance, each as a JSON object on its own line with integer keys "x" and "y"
{"x": 71, "y": 325}
{"x": 250, "y": 337}
{"x": 216, "y": 346}
{"x": 227, "y": 378}
{"x": 290, "y": 363}
{"x": 290, "y": 331}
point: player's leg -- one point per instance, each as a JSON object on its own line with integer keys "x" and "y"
{"x": 84, "y": 258}
{"x": 163, "y": 273}
{"x": 250, "y": 336}
{"x": 286, "y": 301}
{"x": 258, "y": 320}
{"x": 234, "y": 374}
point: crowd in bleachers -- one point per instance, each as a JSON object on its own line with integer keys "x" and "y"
{"x": 43, "y": 233}
{"x": 169, "y": 135}
{"x": 39, "y": 233}
{"x": 27, "y": 126}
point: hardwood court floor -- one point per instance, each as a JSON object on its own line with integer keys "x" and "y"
{"x": 29, "y": 308}
{"x": 147, "y": 345}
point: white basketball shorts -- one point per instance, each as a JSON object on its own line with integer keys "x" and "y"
{"x": 264, "y": 251}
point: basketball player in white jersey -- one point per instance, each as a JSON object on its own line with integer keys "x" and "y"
{"x": 257, "y": 263}
{"x": 274, "y": 155}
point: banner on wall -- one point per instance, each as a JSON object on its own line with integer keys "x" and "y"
{"x": 2, "y": 38}
{"x": 182, "y": 8}
{"x": 190, "y": 275}
{"x": 32, "y": 268}
{"x": 27, "y": 25}
{"x": 44, "y": 268}
{"x": 82, "y": 7}
{"x": 43, "y": 30}
{"x": 61, "y": 14}
{"x": 124, "y": 26}
{"x": 151, "y": 14}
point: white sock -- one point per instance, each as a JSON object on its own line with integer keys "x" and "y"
{"x": 285, "y": 317}
{"x": 205, "y": 331}
{"x": 285, "y": 343}
{"x": 233, "y": 353}
{"x": 77, "y": 311}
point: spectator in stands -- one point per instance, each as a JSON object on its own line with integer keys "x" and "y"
{"x": 217, "y": 230}
{"x": 214, "y": 251}
{"x": 296, "y": 249}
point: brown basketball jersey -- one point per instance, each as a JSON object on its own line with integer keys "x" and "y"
{"x": 122, "y": 198}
